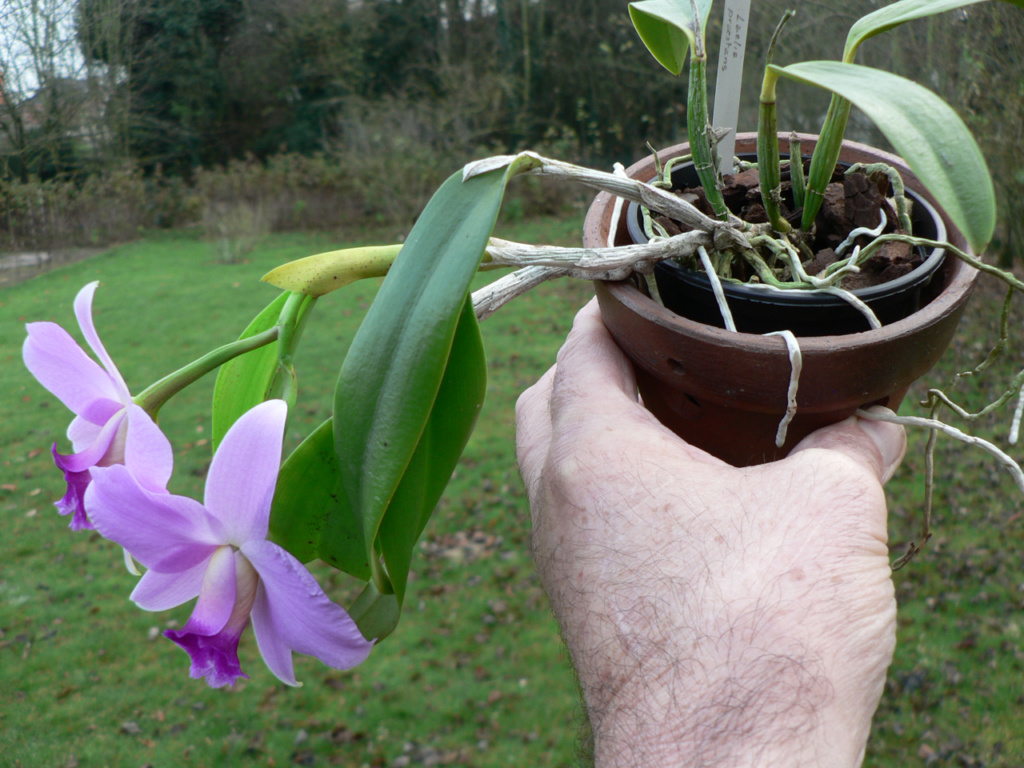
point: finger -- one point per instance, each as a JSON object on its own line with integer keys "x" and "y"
{"x": 592, "y": 374}
{"x": 533, "y": 428}
{"x": 593, "y": 378}
{"x": 877, "y": 445}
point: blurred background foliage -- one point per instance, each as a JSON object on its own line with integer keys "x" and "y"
{"x": 124, "y": 115}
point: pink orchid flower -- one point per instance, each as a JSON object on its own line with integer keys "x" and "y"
{"x": 218, "y": 551}
{"x": 108, "y": 427}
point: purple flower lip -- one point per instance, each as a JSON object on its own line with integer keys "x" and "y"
{"x": 218, "y": 552}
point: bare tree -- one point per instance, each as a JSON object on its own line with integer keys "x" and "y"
{"x": 40, "y": 88}
{"x": 105, "y": 30}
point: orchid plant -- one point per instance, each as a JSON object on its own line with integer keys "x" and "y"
{"x": 359, "y": 490}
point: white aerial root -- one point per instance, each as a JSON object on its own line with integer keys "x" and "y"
{"x": 1008, "y": 463}
{"x": 493, "y": 296}
{"x": 827, "y": 284}
{"x": 726, "y": 233}
{"x": 857, "y": 304}
{"x": 716, "y": 287}
{"x": 605, "y": 263}
{"x": 613, "y": 229}
{"x": 582, "y": 263}
{"x": 796, "y": 364}
{"x": 594, "y": 263}
{"x": 1017, "y": 413}
{"x": 539, "y": 263}
{"x": 855, "y": 233}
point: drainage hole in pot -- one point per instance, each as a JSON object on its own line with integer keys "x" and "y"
{"x": 678, "y": 368}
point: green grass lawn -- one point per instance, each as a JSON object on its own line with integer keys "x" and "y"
{"x": 476, "y": 674}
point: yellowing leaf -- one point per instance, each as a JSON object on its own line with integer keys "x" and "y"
{"x": 325, "y": 272}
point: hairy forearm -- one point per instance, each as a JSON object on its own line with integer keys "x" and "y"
{"x": 762, "y": 708}
{"x": 683, "y": 673}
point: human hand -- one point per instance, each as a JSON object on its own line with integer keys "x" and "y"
{"x": 714, "y": 615}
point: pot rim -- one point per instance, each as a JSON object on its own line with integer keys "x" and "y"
{"x": 960, "y": 277}
{"x": 930, "y": 264}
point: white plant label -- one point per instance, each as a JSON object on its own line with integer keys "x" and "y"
{"x": 730, "y": 78}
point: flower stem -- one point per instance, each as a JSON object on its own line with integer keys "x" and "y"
{"x": 153, "y": 397}
{"x": 291, "y": 322}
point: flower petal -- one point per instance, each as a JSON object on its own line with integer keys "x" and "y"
{"x": 73, "y": 502}
{"x": 292, "y": 613}
{"x": 160, "y": 591}
{"x": 99, "y": 411}
{"x": 240, "y": 484}
{"x": 214, "y": 657}
{"x": 76, "y": 468}
{"x": 129, "y": 563}
{"x": 60, "y": 365}
{"x": 83, "y": 312}
{"x": 147, "y": 451}
{"x": 211, "y": 634}
{"x": 83, "y": 432}
{"x": 164, "y": 532}
{"x": 91, "y": 455}
{"x": 217, "y": 595}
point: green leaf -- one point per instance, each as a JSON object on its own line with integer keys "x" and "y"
{"x": 243, "y": 382}
{"x": 668, "y": 29}
{"x": 893, "y": 15}
{"x": 451, "y": 422}
{"x": 247, "y": 380}
{"x": 925, "y": 131}
{"x": 391, "y": 376}
{"x": 311, "y": 516}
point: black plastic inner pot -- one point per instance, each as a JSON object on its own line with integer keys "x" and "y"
{"x": 758, "y": 309}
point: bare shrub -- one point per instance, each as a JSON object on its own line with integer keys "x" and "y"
{"x": 236, "y": 227}
{"x": 107, "y": 207}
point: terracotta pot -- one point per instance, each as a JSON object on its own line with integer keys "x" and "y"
{"x": 726, "y": 392}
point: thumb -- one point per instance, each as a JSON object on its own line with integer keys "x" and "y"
{"x": 878, "y": 445}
